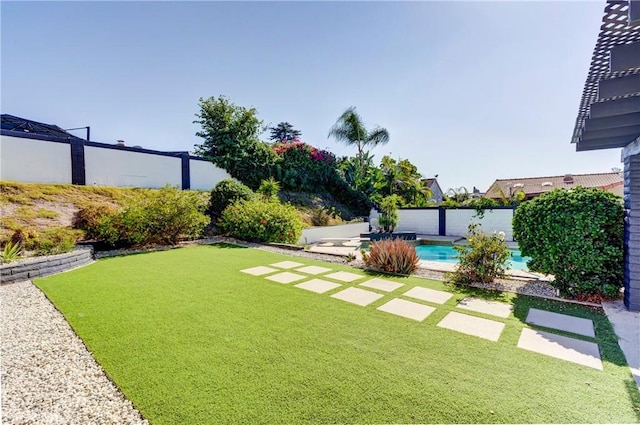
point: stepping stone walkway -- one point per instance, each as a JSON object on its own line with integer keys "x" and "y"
{"x": 429, "y": 295}
{"x": 561, "y": 347}
{"x": 382, "y": 285}
{"x": 314, "y": 270}
{"x": 285, "y": 277}
{"x": 344, "y": 276}
{"x": 287, "y": 264}
{"x": 471, "y": 325}
{"x": 563, "y": 322}
{"x": 318, "y": 286}
{"x": 259, "y": 271}
{"x": 357, "y": 296}
{"x": 493, "y": 308}
{"x": 407, "y": 309}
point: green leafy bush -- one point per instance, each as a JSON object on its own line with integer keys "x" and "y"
{"x": 55, "y": 240}
{"x": 89, "y": 217}
{"x": 269, "y": 189}
{"x": 392, "y": 255}
{"x": 225, "y": 193}
{"x": 302, "y": 167}
{"x": 260, "y": 221}
{"x": 164, "y": 216}
{"x": 483, "y": 260}
{"x": 576, "y": 235}
{"x": 356, "y": 201}
{"x": 388, "y": 219}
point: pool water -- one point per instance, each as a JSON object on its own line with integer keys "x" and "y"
{"x": 447, "y": 254}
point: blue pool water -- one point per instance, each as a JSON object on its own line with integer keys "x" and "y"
{"x": 447, "y": 254}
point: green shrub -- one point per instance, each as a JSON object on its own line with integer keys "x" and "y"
{"x": 356, "y": 201}
{"x": 269, "y": 189}
{"x": 56, "y": 240}
{"x": 388, "y": 219}
{"x": 11, "y": 251}
{"x": 225, "y": 193}
{"x": 483, "y": 260}
{"x": 393, "y": 256}
{"x": 164, "y": 216}
{"x": 320, "y": 217}
{"x": 89, "y": 217}
{"x": 260, "y": 221}
{"x": 576, "y": 235}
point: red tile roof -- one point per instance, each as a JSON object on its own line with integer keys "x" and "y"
{"x": 536, "y": 185}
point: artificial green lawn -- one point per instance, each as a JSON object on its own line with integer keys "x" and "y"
{"x": 190, "y": 340}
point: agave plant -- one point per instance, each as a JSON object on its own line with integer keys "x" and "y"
{"x": 12, "y": 251}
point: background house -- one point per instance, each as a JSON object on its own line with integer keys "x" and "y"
{"x": 535, "y": 186}
{"x": 436, "y": 190}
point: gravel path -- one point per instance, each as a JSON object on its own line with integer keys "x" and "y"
{"x": 48, "y": 375}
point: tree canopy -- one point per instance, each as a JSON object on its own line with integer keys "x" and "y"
{"x": 284, "y": 132}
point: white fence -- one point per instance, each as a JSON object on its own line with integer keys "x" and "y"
{"x": 450, "y": 221}
{"x": 31, "y": 160}
{"x": 34, "y": 161}
{"x": 314, "y": 234}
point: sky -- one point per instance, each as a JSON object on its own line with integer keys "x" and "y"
{"x": 469, "y": 91}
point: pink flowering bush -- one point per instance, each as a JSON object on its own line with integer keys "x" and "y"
{"x": 303, "y": 167}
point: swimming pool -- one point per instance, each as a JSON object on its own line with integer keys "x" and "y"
{"x": 447, "y": 254}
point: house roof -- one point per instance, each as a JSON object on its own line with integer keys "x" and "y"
{"x": 536, "y": 185}
{"x": 609, "y": 112}
{"x": 23, "y": 125}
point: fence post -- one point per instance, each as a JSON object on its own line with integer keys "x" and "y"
{"x": 78, "y": 173}
{"x": 186, "y": 171}
{"x": 442, "y": 221}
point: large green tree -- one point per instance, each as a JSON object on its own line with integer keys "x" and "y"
{"x": 230, "y": 134}
{"x": 284, "y": 132}
{"x": 350, "y": 129}
{"x": 403, "y": 179}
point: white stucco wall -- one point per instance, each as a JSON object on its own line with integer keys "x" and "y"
{"x": 494, "y": 220}
{"x": 423, "y": 222}
{"x": 34, "y": 161}
{"x": 112, "y": 167}
{"x": 314, "y": 234}
{"x": 204, "y": 175}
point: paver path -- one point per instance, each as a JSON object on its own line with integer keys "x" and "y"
{"x": 562, "y": 347}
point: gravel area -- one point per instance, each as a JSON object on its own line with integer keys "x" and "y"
{"x": 48, "y": 375}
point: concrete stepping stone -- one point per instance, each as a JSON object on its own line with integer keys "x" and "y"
{"x": 313, "y": 270}
{"x": 259, "y": 271}
{"x": 563, "y": 322}
{"x": 430, "y": 295}
{"x": 493, "y": 308}
{"x": 561, "y": 347}
{"x": 382, "y": 285}
{"x": 318, "y": 286}
{"x": 471, "y": 325}
{"x": 344, "y": 276}
{"x": 287, "y": 264}
{"x": 285, "y": 277}
{"x": 407, "y": 309}
{"x": 357, "y": 296}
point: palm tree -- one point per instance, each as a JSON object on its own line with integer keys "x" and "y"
{"x": 350, "y": 129}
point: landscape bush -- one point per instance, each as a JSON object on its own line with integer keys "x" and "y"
{"x": 164, "y": 216}
{"x": 483, "y": 260}
{"x": 576, "y": 235}
{"x": 225, "y": 193}
{"x": 302, "y": 167}
{"x": 262, "y": 221}
{"x": 88, "y": 218}
{"x": 393, "y": 256}
{"x": 55, "y": 240}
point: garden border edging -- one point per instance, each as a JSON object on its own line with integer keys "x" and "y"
{"x": 30, "y": 268}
